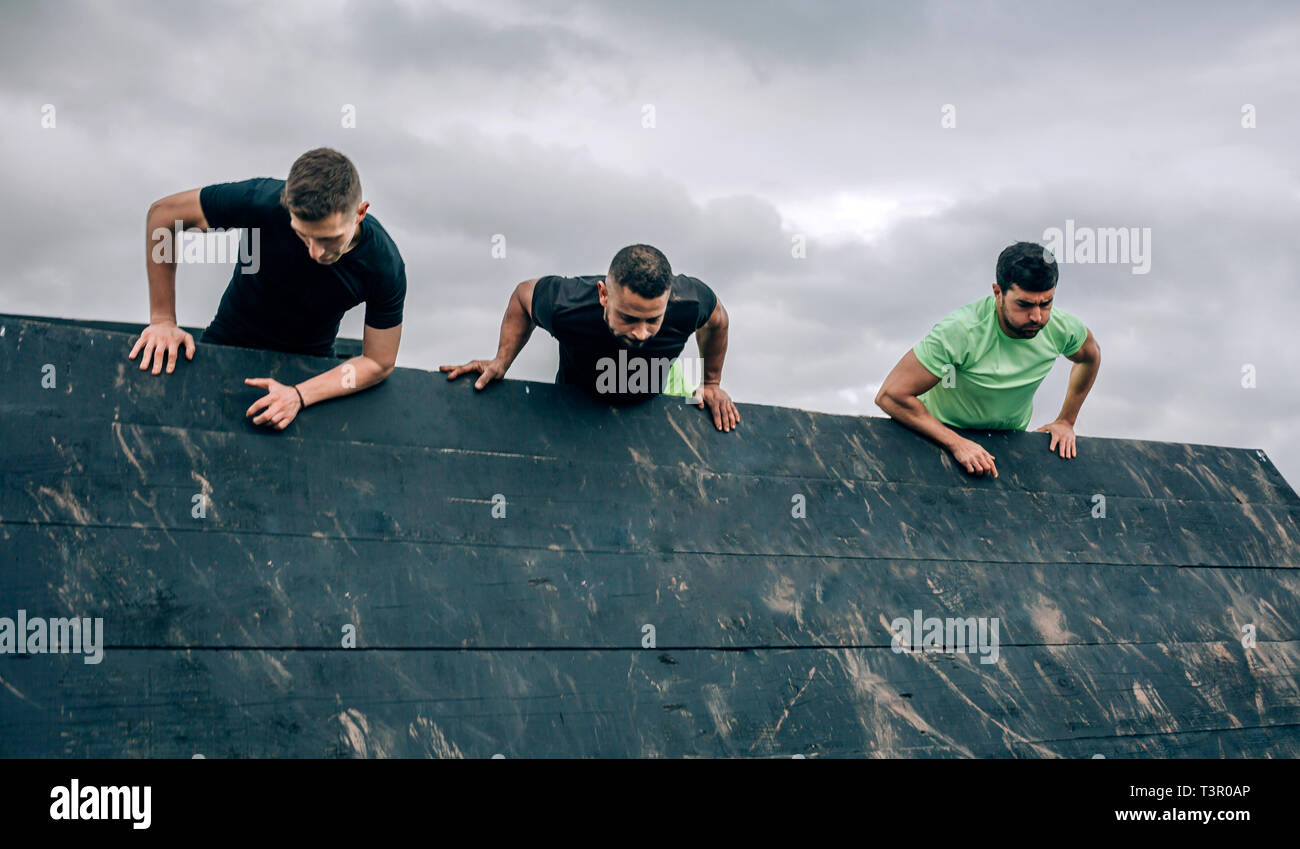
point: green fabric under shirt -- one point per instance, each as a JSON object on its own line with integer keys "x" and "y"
{"x": 678, "y": 383}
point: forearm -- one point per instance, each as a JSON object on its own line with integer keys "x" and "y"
{"x": 912, "y": 413}
{"x": 160, "y": 266}
{"x": 1082, "y": 376}
{"x": 344, "y": 379}
{"x": 712, "y": 344}
{"x": 516, "y": 327}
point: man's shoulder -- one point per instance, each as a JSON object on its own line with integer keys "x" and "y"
{"x": 256, "y": 200}
{"x": 1066, "y": 331}
{"x": 687, "y": 288}
{"x": 968, "y": 317}
{"x": 956, "y": 337}
{"x": 579, "y": 282}
{"x": 380, "y": 241}
{"x": 259, "y": 190}
{"x": 267, "y": 186}
{"x": 574, "y": 291}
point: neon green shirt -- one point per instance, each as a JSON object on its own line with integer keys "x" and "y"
{"x": 994, "y": 377}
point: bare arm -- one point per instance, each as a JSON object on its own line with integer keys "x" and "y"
{"x": 711, "y": 337}
{"x": 899, "y": 398}
{"x": 1087, "y": 362}
{"x": 281, "y": 403}
{"x": 163, "y": 335}
{"x": 377, "y": 360}
{"x": 516, "y": 327}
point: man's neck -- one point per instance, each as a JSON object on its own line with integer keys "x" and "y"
{"x": 356, "y": 238}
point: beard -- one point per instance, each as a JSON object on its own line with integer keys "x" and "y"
{"x": 625, "y": 340}
{"x": 1021, "y": 331}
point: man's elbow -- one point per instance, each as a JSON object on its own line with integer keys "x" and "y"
{"x": 383, "y": 368}
{"x": 894, "y": 402}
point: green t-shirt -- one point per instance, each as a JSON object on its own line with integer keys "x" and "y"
{"x": 994, "y": 376}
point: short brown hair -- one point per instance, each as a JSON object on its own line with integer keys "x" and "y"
{"x": 321, "y": 183}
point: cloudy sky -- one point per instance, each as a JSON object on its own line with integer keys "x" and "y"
{"x": 904, "y": 144}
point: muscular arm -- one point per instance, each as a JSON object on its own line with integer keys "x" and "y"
{"x": 1087, "y": 362}
{"x": 517, "y": 324}
{"x": 163, "y": 336}
{"x": 899, "y": 398}
{"x": 516, "y": 327}
{"x": 159, "y": 226}
{"x": 711, "y": 337}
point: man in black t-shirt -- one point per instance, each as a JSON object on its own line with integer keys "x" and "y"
{"x": 619, "y": 333}
{"x": 308, "y": 254}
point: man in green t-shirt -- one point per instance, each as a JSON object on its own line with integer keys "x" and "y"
{"x": 980, "y": 366}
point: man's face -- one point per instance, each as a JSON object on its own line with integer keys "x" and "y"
{"x": 329, "y": 238}
{"x": 1022, "y": 314}
{"x": 631, "y": 318}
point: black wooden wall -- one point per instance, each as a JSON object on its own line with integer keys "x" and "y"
{"x": 523, "y": 634}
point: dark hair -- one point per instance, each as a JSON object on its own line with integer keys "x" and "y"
{"x": 643, "y": 269}
{"x": 321, "y": 183}
{"x": 1027, "y": 265}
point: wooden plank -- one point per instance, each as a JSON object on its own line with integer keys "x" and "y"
{"x": 149, "y": 478}
{"x": 1148, "y": 701}
{"x": 178, "y": 590}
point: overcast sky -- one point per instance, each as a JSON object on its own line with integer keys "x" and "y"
{"x": 905, "y": 143}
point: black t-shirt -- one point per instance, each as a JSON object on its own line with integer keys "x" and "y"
{"x": 285, "y": 300}
{"x": 569, "y": 309}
